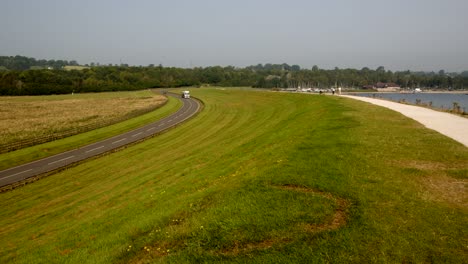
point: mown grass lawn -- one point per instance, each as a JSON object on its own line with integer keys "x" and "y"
{"x": 257, "y": 177}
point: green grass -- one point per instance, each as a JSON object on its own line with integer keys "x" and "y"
{"x": 25, "y": 155}
{"x": 256, "y": 177}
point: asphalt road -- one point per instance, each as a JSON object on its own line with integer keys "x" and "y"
{"x": 20, "y": 173}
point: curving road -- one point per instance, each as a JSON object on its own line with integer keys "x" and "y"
{"x": 17, "y": 174}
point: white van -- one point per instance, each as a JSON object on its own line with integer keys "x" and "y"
{"x": 185, "y": 94}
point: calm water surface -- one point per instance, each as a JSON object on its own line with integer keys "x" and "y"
{"x": 437, "y": 100}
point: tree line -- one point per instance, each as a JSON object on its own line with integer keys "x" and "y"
{"x": 21, "y": 63}
{"x": 15, "y": 80}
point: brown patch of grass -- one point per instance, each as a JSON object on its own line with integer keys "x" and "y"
{"x": 436, "y": 183}
{"x": 240, "y": 249}
{"x": 425, "y": 165}
{"x": 65, "y": 252}
{"x": 446, "y": 189}
{"x": 162, "y": 248}
{"x": 155, "y": 251}
{"x": 338, "y": 220}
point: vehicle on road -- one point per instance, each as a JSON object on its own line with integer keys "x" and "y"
{"x": 186, "y": 94}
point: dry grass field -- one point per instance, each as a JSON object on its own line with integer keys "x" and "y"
{"x": 77, "y": 68}
{"x": 27, "y": 118}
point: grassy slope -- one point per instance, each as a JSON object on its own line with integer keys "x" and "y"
{"x": 213, "y": 190}
{"x": 21, "y": 156}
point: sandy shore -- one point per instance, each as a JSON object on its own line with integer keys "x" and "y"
{"x": 450, "y": 125}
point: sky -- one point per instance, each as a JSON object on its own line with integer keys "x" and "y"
{"x": 417, "y": 35}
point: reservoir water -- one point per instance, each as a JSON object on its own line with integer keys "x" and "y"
{"x": 435, "y": 100}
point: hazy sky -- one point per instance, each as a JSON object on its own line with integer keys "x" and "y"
{"x": 397, "y": 34}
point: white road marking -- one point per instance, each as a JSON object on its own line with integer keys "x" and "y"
{"x": 60, "y": 160}
{"x": 137, "y": 134}
{"x": 150, "y": 129}
{"x": 13, "y": 175}
{"x": 94, "y": 149}
{"x": 115, "y": 142}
